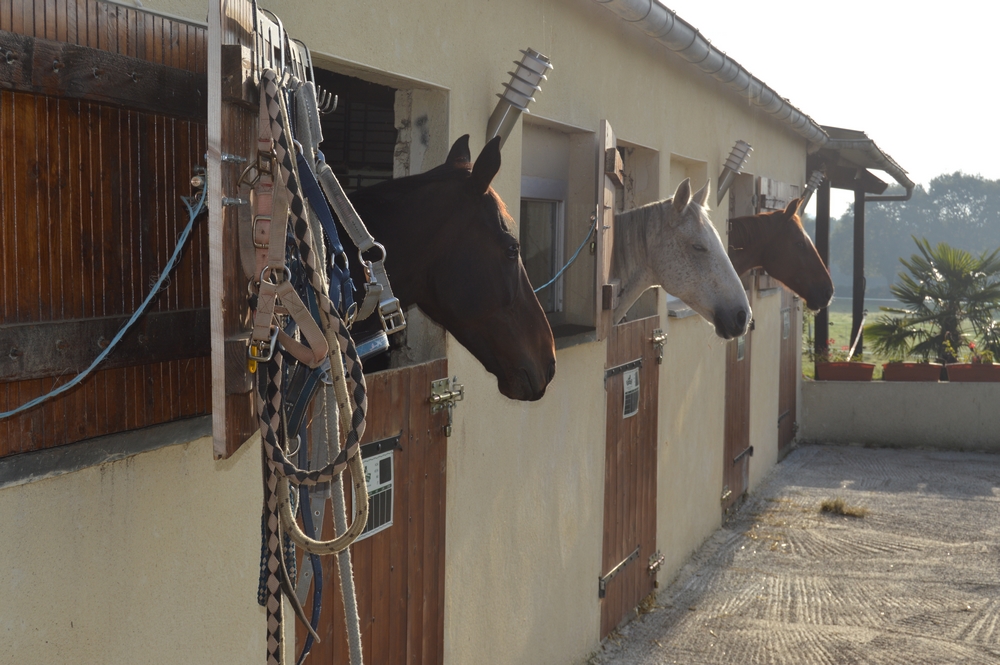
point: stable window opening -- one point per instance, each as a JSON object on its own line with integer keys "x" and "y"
{"x": 555, "y": 217}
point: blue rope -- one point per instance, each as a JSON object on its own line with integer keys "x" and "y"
{"x": 194, "y": 209}
{"x": 575, "y": 254}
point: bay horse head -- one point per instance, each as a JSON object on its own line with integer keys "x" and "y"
{"x": 776, "y": 242}
{"x": 452, "y": 250}
{"x": 673, "y": 244}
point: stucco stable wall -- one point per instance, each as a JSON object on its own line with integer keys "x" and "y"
{"x": 961, "y": 416}
{"x": 691, "y": 426}
{"x": 525, "y": 516}
{"x": 526, "y": 481}
{"x": 150, "y": 559}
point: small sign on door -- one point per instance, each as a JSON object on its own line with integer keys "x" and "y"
{"x": 630, "y": 384}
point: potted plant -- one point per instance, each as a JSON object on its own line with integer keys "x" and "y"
{"x": 947, "y": 294}
{"x": 980, "y": 366}
{"x": 903, "y": 370}
{"x": 839, "y": 365}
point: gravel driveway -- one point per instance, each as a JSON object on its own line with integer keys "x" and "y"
{"x": 915, "y": 580}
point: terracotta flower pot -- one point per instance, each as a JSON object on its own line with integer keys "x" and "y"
{"x": 911, "y": 371}
{"x": 844, "y": 371}
{"x": 964, "y": 372}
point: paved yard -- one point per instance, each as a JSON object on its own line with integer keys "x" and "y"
{"x": 914, "y": 581}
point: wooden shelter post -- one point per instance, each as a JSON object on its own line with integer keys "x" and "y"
{"x": 822, "y": 331}
{"x": 858, "y": 295}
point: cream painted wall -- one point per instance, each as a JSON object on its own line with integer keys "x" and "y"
{"x": 764, "y": 376}
{"x": 960, "y": 416}
{"x": 525, "y": 516}
{"x": 691, "y": 426}
{"x": 150, "y": 559}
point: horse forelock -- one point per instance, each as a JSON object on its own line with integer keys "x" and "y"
{"x": 507, "y": 223}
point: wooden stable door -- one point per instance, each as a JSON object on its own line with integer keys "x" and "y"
{"x": 398, "y": 571}
{"x": 632, "y": 385}
{"x": 737, "y": 450}
{"x": 789, "y": 371}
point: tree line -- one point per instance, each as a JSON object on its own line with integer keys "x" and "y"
{"x": 959, "y": 209}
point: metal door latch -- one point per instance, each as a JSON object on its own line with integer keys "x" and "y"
{"x": 655, "y": 561}
{"x": 658, "y": 339}
{"x": 444, "y": 394}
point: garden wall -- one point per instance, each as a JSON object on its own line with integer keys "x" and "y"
{"x": 941, "y": 415}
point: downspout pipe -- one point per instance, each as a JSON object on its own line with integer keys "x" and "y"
{"x": 663, "y": 25}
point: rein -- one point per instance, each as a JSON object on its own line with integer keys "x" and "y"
{"x": 301, "y": 347}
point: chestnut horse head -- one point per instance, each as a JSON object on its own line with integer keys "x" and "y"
{"x": 452, "y": 250}
{"x": 776, "y": 242}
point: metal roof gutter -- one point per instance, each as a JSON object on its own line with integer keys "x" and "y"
{"x": 682, "y": 38}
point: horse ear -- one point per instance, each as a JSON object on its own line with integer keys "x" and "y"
{"x": 682, "y": 196}
{"x": 701, "y": 196}
{"x": 459, "y": 156}
{"x": 486, "y": 166}
{"x": 793, "y": 207}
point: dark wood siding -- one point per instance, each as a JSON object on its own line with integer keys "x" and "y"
{"x": 90, "y": 210}
{"x": 736, "y": 464}
{"x": 788, "y": 373}
{"x": 630, "y": 473}
{"x": 398, "y": 572}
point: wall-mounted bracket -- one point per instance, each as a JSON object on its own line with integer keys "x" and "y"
{"x": 444, "y": 394}
{"x": 602, "y": 582}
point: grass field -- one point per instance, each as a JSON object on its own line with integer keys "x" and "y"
{"x": 840, "y": 330}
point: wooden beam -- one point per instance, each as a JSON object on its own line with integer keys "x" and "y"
{"x": 40, "y": 350}
{"x": 59, "y": 69}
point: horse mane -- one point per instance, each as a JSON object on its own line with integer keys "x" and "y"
{"x": 743, "y": 231}
{"x": 387, "y": 193}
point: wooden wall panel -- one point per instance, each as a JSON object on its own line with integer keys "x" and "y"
{"x": 735, "y": 473}
{"x": 788, "y": 372}
{"x": 398, "y": 572}
{"x": 630, "y": 474}
{"x": 89, "y": 198}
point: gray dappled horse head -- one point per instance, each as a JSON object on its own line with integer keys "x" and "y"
{"x": 452, "y": 249}
{"x": 776, "y": 242}
{"x": 673, "y": 244}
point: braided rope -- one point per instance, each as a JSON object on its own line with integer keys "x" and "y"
{"x": 278, "y": 470}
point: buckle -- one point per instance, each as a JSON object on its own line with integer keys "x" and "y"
{"x": 391, "y": 316}
{"x": 253, "y": 230}
{"x": 263, "y": 165}
{"x": 262, "y": 352}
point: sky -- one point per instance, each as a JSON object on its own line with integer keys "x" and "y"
{"x": 919, "y": 79}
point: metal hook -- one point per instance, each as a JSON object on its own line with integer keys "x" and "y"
{"x": 9, "y": 57}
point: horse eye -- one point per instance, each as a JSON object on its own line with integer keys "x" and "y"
{"x": 513, "y": 251}
{"x": 699, "y": 248}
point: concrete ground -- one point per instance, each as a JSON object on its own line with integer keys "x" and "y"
{"x": 914, "y": 581}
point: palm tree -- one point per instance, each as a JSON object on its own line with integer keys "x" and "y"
{"x": 947, "y": 294}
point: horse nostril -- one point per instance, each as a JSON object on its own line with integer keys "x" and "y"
{"x": 741, "y": 319}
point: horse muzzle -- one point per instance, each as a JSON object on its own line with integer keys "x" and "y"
{"x": 819, "y": 297}
{"x": 731, "y": 323}
{"x": 526, "y": 383}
